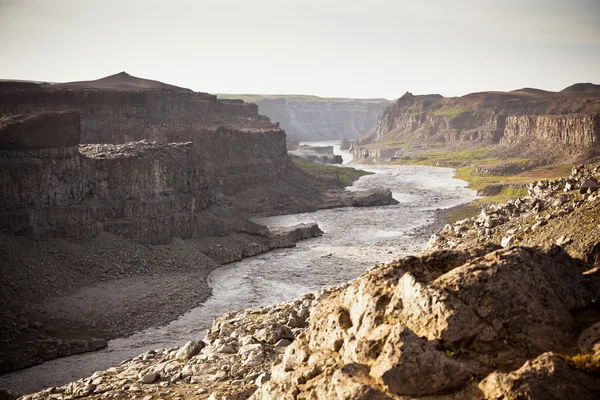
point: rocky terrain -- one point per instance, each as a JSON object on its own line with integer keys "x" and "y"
{"x": 520, "y": 123}
{"x": 316, "y": 119}
{"x": 564, "y": 211}
{"x": 161, "y": 176}
{"x": 478, "y": 317}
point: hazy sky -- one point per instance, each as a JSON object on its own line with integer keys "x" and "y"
{"x": 353, "y": 48}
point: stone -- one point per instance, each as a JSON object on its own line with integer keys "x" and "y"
{"x": 563, "y": 241}
{"x": 283, "y": 343}
{"x": 227, "y": 349}
{"x": 589, "y": 340}
{"x": 588, "y": 185}
{"x": 546, "y": 377}
{"x": 506, "y": 241}
{"x": 263, "y": 378}
{"x": 409, "y": 366}
{"x": 274, "y": 333}
{"x": 150, "y": 377}
{"x": 189, "y": 350}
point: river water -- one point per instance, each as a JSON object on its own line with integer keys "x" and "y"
{"x": 354, "y": 239}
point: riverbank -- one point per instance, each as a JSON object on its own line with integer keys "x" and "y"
{"x": 116, "y": 287}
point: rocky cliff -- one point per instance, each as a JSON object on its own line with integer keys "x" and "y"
{"x": 123, "y": 178}
{"x": 120, "y": 115}
{"x": 311, "y": 118}
{"x": 568, "y": 119}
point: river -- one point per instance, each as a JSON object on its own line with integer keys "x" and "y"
{"x": 354, "y": 239}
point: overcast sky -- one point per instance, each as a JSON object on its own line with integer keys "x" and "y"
{"x": 349, "y": 48}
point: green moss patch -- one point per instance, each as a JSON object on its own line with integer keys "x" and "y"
{"x": 345, "y": 175}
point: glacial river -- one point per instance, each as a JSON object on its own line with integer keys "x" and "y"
{"x": 354, "y": 239}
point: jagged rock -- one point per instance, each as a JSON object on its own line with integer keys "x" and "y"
{"x": 399, "y": 317}
{"x": 262, "y": 378}
{"x": 409, "y": 365}
{"x": 274, "y": 333}
{"x": 375, "y": 197}
{"x": 590, "y": 185}
{"x": 150, "y": 377}
{"x": 505, "y": 242}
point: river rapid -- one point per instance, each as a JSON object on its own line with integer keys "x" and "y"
{"x": 353, "y": 240}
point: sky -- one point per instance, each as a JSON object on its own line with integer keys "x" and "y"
{"x": 349, "y": 48}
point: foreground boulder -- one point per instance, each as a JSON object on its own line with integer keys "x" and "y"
{"x": 422, "y": 327}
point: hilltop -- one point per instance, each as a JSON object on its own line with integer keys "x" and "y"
{"x": 121, "y": 81}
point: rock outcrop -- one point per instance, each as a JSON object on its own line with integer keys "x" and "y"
{"x": 422, "y": 327}
{"x": 561, "y": 120}
{"x": 563, "y": 211}
{"x": 314, "y": 119}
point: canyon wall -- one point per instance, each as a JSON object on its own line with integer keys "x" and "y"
{"x": 311, "y": 118}
{"x": 148, "y": 164}
{"x": 483, "y": 119}
{"x": 570, "y": 129}
{"x": 118, "y": 116}
{"x": 147, "y": 191}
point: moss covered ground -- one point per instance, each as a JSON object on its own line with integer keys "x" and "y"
{"x": 344, "y": 175}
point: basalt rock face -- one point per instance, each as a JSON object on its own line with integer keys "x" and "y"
{"x": 118, "y": 115}
{"x": 313, "y": 119}
{"x": 571, "y": 129}
{"x": 568, "y": 119}
{"x": 229, "y": 146}
{"x": 147, "y": 191}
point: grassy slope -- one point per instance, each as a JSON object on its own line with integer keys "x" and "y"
{"x": 344, "y": 175}
{"x": 477, "y": 181}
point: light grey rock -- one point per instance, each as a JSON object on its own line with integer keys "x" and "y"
{"x": 274, "y": 333}
{"x": 189, "y": 350}
{"x": 227, "y": 349}
{"x": 507, "y": 241}
{"x": 150, "y": 377}
{"x": 263, "y": 378}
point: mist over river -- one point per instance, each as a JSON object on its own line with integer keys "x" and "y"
{"x": 354, "y": 239}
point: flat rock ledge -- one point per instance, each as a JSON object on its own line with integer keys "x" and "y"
{"x": 363, "y": 198}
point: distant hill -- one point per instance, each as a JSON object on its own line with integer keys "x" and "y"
{"x": 121, "y": 81}
{"x": 582, "y": 88}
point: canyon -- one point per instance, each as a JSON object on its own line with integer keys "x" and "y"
{"x": 317, "y": 119}
{"x": 109, "y": 186}
{"x": 161, "y": 177}
{"x": 515, "y": 124}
